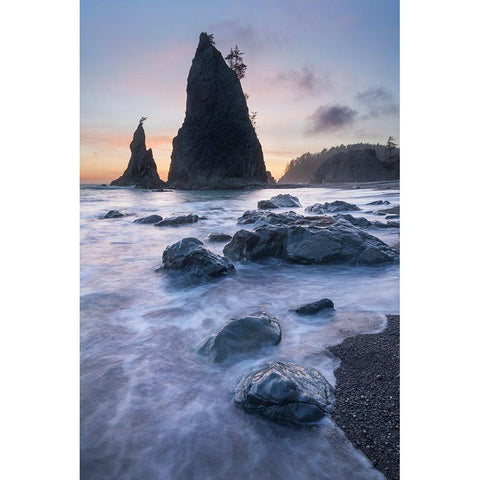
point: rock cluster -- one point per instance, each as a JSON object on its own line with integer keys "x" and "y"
{"x": 217, "y": 146}
{"x": 313, "y": 242}
{"x": 141, "y": 171}
{"x": 284, "y": 392}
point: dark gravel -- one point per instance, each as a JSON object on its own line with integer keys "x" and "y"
{"x": 368, "y": 395}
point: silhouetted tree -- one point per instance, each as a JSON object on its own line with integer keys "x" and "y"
{"x": 210, "y": 38}
{"x": 253, "y": 117}
{"x": 390, "y": 148}
{"x": 235, "y": 62}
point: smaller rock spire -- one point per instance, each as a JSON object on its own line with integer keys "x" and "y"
{"x": 141, "y": 170}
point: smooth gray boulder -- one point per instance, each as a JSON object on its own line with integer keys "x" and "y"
{"x": 114, "y": 214}
{"x": 177, "y": 220}
{"x": 149, "y": 219}
{"x": 334, "y": 243}
{"x": 191, "y": 256}
{"x": 388, "y": 224}
{"x": 218, "y": 237}
{"x": 333, "y": 207}
{"x": 141, "y": 170}
{"x": 379, "y": 202}
{"x": 283, "y": 200}
{"x": 217, "y": 146}
{"x": 392, "y": 210}
{"x": 286, "y": 393}
{"x": 315, "y": 307}
{"x": 260, "y": 217}
{"x": 242, "y": 335}
{"x": 356, "y": 221}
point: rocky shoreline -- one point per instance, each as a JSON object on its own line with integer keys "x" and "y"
{"x": 368, "y": 395}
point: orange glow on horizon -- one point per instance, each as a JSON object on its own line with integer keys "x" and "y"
{"x": 104, "y": 156}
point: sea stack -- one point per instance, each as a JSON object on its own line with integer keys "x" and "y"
{"x": 141, "y": 171}
{"x": 217, "y": 146}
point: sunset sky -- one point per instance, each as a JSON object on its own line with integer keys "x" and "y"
{"x": 319, "y": 73}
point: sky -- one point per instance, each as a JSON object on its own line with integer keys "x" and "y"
{"x": 319, "y": 73}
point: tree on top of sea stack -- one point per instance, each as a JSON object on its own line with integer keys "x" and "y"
{"x": 141, "y": 171}
{"x": 217, "y": 146}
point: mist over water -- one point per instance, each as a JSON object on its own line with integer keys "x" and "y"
{"x": 151, "y": 407}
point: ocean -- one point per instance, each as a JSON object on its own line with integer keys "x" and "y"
{"x": 151, "y": 406}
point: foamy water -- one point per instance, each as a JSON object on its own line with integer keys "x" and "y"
{"x": 151, "y": 407}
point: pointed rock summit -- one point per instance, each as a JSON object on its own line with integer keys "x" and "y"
{"x": 141, "y": 170}
{"x": 217, "y": 146}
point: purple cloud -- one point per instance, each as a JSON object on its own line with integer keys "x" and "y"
{"x": 329, "y": 118}
{"x": 378, "y": 101}
{"x": 304, "y": 81}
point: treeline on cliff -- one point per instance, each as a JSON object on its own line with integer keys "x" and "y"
{"x": 303, "y": 168}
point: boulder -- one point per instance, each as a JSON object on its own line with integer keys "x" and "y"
{"x": 333, "y": 207}
{"x": 242, "y": 335}
{"x": 315, "y": 307}
{"x": 379, "y": 224}
{"x": 393, "y": 224}
{"x": 217, "y": 146}
{"x": 259, "y": 217}
{"x": 389, "y": 224}
{"x": 286, "y": 393}
{"x": 310, "y": 244}
{"x": 149, "y": 219}
{"x": 357, "y": 221}
{"x": 141, "y": 171}
{"x": 179, "y": 220}
{"x": 218, "y": 237}
{"x": 114, "y": 214}
{"x": 393, "y": 210}
{"x": 191, "y": 256}
{"x": 379, "y": 202}
{"x": 279, "y": 201}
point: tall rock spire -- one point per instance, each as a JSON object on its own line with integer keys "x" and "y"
{"x": 217, "y": 146}
{"x": 141, "y": 170}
